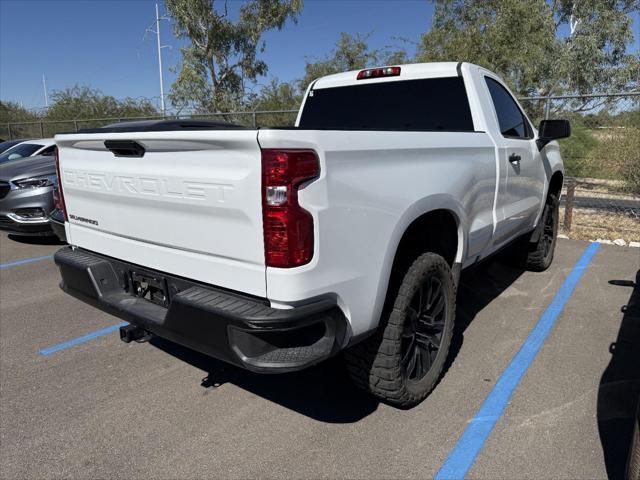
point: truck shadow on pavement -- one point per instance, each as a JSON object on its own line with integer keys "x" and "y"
{"x": 325, "y": 392}
{"x": 619, "y": 390}
{"x": 479, "y": 286}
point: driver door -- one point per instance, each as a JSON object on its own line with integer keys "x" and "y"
{"x": 519, "y": 159}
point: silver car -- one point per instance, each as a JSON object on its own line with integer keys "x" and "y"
{"x": 26, "y": 195}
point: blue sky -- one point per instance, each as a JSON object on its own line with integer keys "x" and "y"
{"x": 101, "y": 43}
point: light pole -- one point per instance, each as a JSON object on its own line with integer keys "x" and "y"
{"x": 44, "y": 87}
{"x": 160, "y": 47}
{"x": 160, "y": 61}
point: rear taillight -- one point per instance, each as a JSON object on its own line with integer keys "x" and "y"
{"x": 58, "y": 195}
{"x": 288, "y": 228}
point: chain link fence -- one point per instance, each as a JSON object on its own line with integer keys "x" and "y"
{"x": 601, "y": 198}
{"x": 602, "y": 162}
{"x": 46, "y": 129}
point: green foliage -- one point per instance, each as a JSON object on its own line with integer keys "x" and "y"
{"x": 12, "y": 112}
{"x": 576, "y": 149}
{"x": 520, "y": 40}
{"x": 604, "y": 147}
{"x": 513, "y": 38}
{"x": 76, "y": 103}
{"x": 616, "y": 156}
{"x": 594, "y": 57}
{"x": 82, "y": 102}
{"x": 276, "y": 95}
{"x": 630, "y": 154}
{"x": 629, "y": 117}
{"x": 350, "y": 53}
{"x": 222, "y": 54}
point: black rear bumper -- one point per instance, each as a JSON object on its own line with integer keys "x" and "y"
{"x": 235, "y": 328}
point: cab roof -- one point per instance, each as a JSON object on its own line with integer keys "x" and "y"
{"x": 412, "y": 71}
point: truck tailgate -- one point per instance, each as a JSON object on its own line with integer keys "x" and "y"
{"x": 190, "y": 206}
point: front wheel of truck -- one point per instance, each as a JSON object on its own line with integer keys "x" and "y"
{"x": 539, "y": 255}
{"x": 402, "y": 362}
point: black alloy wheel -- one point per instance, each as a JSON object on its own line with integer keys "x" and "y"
{"x": 423, "y": 329}
{"x": 549, "y": 231}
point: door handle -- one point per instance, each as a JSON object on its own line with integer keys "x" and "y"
{"x": 514, "y": 158}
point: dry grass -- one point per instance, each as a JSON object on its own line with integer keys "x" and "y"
{"x": 594, "y": 224}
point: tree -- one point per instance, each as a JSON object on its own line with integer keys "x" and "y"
{"x": 223, "y": 53}
{"x": 12, "y": 112}
{"x": 276, "y": 95}
{"x": 524, "y": 42}
{"x": 351, "y": 52}
{"x": 594, "y": 58}
{"x": 82, "y": 102}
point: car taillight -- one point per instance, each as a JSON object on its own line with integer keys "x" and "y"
{"x": 288, "y": 228}
{"x": 58, "y": 195}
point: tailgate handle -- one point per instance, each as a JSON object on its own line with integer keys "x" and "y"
{"x": 125, "y": 148}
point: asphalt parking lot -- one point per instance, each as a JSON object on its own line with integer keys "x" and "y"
{"x": 104, "y": 409}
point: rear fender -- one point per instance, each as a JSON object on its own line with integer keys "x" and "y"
{"x": 416, "y": 210}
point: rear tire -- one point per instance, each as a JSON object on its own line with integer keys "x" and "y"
{"x": 402, "y": 362}
{"x": 539, "y": 255}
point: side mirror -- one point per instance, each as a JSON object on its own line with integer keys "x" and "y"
{"x": 552, "y": 130}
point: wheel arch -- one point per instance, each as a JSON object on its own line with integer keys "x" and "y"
{"x": 442, "y": 211}
{"x": 555, "y": 183}
{"x": 436, "y": 231}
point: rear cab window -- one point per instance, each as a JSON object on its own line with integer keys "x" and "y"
{"x": 433, "y": 104}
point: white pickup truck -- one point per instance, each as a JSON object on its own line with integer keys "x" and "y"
{"x": 276, "y": 248}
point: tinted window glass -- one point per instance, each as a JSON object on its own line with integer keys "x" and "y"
{"x": 48, "y": 152}
{"x": 511, "y": 120}
{"x": 4, "y": 146}
{"x": 20, "y": 151}
{"x": 422, "y": 105}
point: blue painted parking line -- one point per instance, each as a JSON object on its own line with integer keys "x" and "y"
{"x": 82, "y": 339}
{"x": 24, "y": 262}
{"x": 464, "y": 454}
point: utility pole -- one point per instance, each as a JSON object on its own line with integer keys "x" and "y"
{"x": 44, "y": 86}
{"x": 160, "y": 60}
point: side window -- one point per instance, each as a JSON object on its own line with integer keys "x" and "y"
{"x": 510, "y": 118}
{"x": 48, "y": 152}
